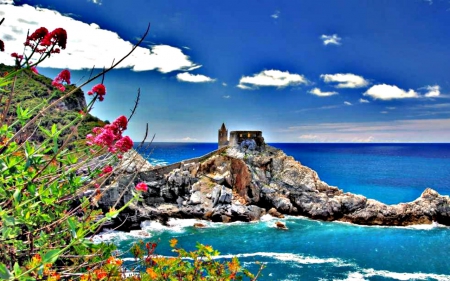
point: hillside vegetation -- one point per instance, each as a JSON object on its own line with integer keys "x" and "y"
{"x": 35, "y": 91}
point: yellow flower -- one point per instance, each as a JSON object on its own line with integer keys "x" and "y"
{"x": 173, "y": 242}
{"x": 151, "y": 273}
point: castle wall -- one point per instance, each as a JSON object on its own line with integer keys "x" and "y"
{"x": 237, "y": 137}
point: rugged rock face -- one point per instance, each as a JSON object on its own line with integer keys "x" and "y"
{"x": 237, "y": 185}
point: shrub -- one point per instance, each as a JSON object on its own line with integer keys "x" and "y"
{"x": 48, "y": 209}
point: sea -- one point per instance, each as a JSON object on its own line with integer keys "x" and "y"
{"x": 317, "y": 250}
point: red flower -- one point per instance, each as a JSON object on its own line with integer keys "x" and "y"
{"x": 124, "y": 144}
{"x": 2, "y": 46}
{"x": 38, "y": 34}
{"x": 17, "y": 56}
{"x": 98, "y": 89}
{"x": 106, "y": 170}
{"x": 56, "y": 37}
{"x": 63, "y": 76}
{"x": 141, "y": 187}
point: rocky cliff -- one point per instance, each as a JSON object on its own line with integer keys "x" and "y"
{"x": 235, "y": 185}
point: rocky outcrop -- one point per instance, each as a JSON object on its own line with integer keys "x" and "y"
{"x": 244, "y": 185}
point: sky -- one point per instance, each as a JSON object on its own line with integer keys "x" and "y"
{"x": 300, "y": 71}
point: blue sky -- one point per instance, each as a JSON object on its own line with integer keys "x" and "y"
{"x": 300, "y": 71}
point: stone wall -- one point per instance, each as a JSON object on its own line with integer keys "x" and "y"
{"x": 166, "y": 169}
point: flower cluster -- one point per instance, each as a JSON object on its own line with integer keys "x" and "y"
{"x": 110, "y": 136}
{"x": 63, "y": 76}
{"x": 41, "y": 37}
{"x": 141, "y": 187}
{"x": 98, "y": 89}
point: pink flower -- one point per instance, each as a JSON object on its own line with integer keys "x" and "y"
{"x": 124, "y": 144}
{"x": 141, "y": 187}
{"x": 121, "y": 122}
{"x": 105, "y": 138}
{"x": 63, "y": 76}
{"x": 34, "y": 69}
{"x": 98, "y": 89}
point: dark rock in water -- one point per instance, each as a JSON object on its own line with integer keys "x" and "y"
{"x": 231, "y": 185}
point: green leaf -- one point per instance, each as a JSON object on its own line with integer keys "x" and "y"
{"x": 50, "y": 257}
{"x": 4, "y": 272}
{"x": 54, "y": 129}
{"x": 17, "y": 196}
{"x": 17, "y": 270}
{"x": 72, "y": 226}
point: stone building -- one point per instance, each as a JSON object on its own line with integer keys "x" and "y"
{"x": 239, "y": 138}
{"x": 223, "y": 136}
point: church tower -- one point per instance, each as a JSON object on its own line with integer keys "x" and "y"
{"x": 223, "y": 136}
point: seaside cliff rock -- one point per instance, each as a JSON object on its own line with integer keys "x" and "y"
{"x": 236, "y": 185}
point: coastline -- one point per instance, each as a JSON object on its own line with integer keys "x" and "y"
{"x": 231, "y": 185}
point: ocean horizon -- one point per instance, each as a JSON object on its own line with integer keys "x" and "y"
{"x": 318, "y": 250}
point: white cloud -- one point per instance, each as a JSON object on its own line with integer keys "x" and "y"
{"x": 319, "y": 93}
{"x": 347, "y": 103}
{"x": 433, "y": 91}
{"x": 226, "y": 97}
{"x": 243, "y": 87}
{"x": 271, "y": 78}
{"x": 363, "y": 101}
{"x": 391, "y": 107}
{"x": 87, "y": 44}
{"x": 224, "y": 84}
{"x": 98, "y": 2}
{"x": 415, "y": 130}
{"x": 194, "y": 78}
{"x": 187, "y": 139}
{"x": 389, "y": 92}
{"x": 331, "y": 39}
{"x": 308, "y": 137}
{"x": 8, "y": 2}
{"x": 276, "y": 15}
{"x": 345, "y": 80}
{"x": 384, "y": 112}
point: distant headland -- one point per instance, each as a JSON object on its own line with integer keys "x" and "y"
{"x": 245, "y": 178}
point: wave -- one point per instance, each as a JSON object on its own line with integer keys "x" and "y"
{"x": 180, "y": 225}
{"x": 117, "y": 236}
{"x": 362, "y": 274}
{"x": 284, "y": 257}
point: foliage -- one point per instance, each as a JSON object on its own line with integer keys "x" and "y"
{"x": 49, "y": 193}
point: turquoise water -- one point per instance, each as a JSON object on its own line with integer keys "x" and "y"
{"x": 315, "y": 250}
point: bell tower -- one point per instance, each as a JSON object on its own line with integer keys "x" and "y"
{"x": 223, "y": 136}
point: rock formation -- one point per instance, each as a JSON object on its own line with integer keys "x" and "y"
{"x": 237, "y": 185}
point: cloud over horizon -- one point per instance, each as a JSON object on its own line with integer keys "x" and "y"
{"x": 86, "y": 45}
{"x": 415, "y": 130}
{"x": 271, "y": 78}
